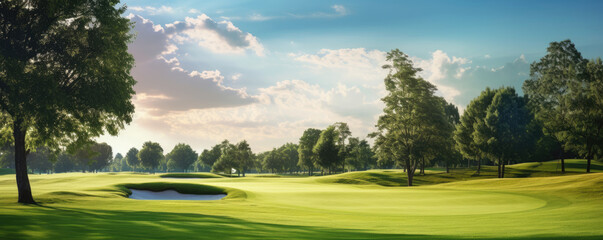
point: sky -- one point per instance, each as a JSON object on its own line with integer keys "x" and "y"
{"x": 264, "y": 71}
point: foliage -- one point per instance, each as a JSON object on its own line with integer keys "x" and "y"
{"x": 413, "y": 116}
{"x": 505, "y": 129}
{"x": 132, "y": 158}
{"x": 183, "y": 156}
{"x": 307, "y": 158}
{"x": 327, "y": 150}
{"x": 64, "y": 75}
{"x": 150, "y": 155}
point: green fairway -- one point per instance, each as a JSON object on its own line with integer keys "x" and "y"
{"x": 93, "y": 206}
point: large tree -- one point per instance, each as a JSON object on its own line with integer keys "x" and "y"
{"x": 209, "y": 157}
{"x": 505, "y": 129}
{"x": 244, "y": 159}
{"x": 150, "y": 155}
{"x": 183, "y": 156}
{"x": 291, "y": 156}
{"x": 463, "y": 135}
{"x": 549, "y": 93}
{"x": 327, "y": 150}
{"x": 132, "y": 158}
{"x": 307, "y": 158}
{"x": 343, "y": 132}
{"x": 412, "y": 115}
{"x": 64, "y": 75}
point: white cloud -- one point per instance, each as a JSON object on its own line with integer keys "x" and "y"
{"x": 340, "y": 9}
{"x": 236, "y": 76}
{"x": 218, "y": 37}
{"x": 193, "y": 11}
{"x": 181, "y": 90}
{"x": 152, "y": 10}
{"x": 260, "y": 17}
{"x": 487, "y": 56}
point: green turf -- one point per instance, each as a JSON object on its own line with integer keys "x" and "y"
{"x": 190, "y": 175}
{"x": 447, "y": 206}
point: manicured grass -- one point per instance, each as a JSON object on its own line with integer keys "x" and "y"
{"x": 94, "y": 206}
{"x": 190, "y": 175}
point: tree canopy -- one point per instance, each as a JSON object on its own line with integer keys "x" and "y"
{"x": 64, "y": 75}
{"x": 150, "y": 155}
{"x": 412, "y": 115}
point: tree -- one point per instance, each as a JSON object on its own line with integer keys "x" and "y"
{"x": 40, "y": 160}
{"x": 273, "y": 160}
{"x": 64, "y": 75}
{"x": 132, "y": 158}
{"x": 209, "y": 157}
{"x": 307, "y": 158}
{"x": 291, "y": 159}
{"x": 103, "y": 154}
{"x": 150, "y": 155}
{"x": 505, "y": 130}
{"x": 549, "y": 93}
{"x": 360, "y": 156}
{"x": 465, "y": 130}
{"x": 64, "y": 163}
{"x": 412, "y": 115}
{"x": 343, "y": 132}
{"x": 183, "y": 156}
{"x": 326, "y": 149}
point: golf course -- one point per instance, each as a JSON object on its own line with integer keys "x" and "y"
{"x": 534, "y": 202}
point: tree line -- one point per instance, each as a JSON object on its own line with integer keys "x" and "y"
{"x": 560, "y": 115}
{"x": 65, "y": 79}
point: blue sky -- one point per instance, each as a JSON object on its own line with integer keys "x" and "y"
{"x": 266, "y": 70}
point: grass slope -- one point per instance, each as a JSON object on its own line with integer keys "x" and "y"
{"x": 93, "y": 206}
{"x": 190, "y": 175}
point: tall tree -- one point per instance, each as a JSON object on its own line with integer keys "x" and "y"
{"x": 343, "y": 132}
{"x": 307, "y": 158}
{"x": 411, "y": 116}
{"x": 209, "y": 157}
{"x": 150, "y": 155}
{"x": 244, "y": 160}
{"x": 273, "y": 161}
{"x": 505, "y": 130}
{"x": 327, "y": 150}
{"x": 183, "y": 156}
{"x": 64, "y": 75}
{"x": 291, "y": 157}
{"x": 132, "y": 158}
{"x": 463, "y": 135}
{"x": 102, "y": 154}
{"x": 549, "y": 93}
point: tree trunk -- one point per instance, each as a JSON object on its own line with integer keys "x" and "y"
{"x": 447, "y": 169}
{"x": 499, "y": 167}
{"x": 479, "y": 165}
{"x": 23, "y": 186}
{"x": 502, "y": 173}
{"x": 562, "y": 165}
{"x": 422, "y": 171}
{"x": 588, "y": 164}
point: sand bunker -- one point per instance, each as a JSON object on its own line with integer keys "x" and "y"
{"x": 172, "y": 195}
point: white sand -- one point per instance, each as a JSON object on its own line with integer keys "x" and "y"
{"x": 171, "y": 195}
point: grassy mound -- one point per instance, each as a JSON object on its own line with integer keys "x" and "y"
{"x": 4, "y": 171}
{"x": 571, "y": 166}
{"x": 185, "y": 188}
{"x": 393, "y": 178}
{"x": 190, "y": 175}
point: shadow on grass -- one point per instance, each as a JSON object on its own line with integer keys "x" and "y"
{"x": 42, "y": 222}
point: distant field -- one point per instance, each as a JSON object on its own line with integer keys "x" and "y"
{"x": 358, "y": 205}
